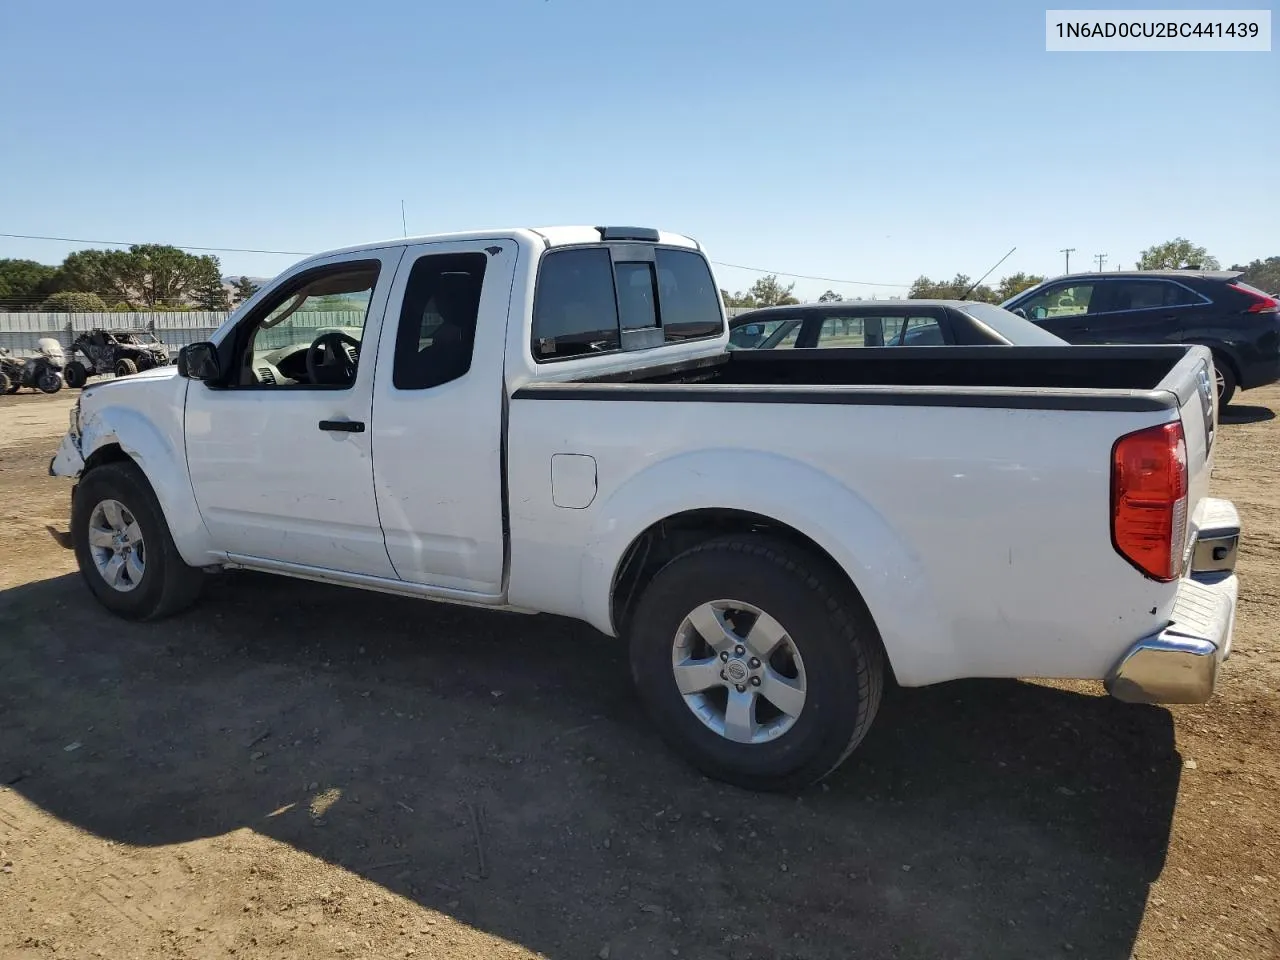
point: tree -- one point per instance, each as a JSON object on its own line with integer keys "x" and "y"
{"x": 24, "y": 283}
{"x": 73, "y": 301}
{"x": 765, "y": 292}
{"x": 1014, "y": 284}
{"x": 149, "y": 274}
{"x": 212, "y": 295}
{"x": 246, "y": 288}
{"x": 830, "y": 296}
{"x": 1263, "y": 274}
{"x": 955, "y": 289}
{"x": 1174, "y": 254}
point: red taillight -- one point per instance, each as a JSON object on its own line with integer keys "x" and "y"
{"x": 1261, "y": 303}
{"x": 1149, "y": 499}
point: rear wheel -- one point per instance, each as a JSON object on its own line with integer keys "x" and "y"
{"x": 126, "y": 367}
{"x": 123, "y": 546}
{"x": 1226, "y": 380}
{"x": 5, "y": 383}
{"x": 757, "y": 662}
{"x": 75, "y": 374}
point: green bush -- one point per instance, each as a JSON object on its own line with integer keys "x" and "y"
{"x": 73, "y": 301}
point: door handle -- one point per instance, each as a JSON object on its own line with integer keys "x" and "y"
{"x": 343, "y": 426}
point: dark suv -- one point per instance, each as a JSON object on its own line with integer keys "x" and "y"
{"x": 1239, "y": 323}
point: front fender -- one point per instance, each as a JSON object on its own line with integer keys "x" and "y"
{"x": 162, "y": 459}
{"x": 882, "y": 566}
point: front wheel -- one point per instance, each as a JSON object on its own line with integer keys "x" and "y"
{"x": 5, "y": 382}
{"x": 123, "y": 546}
{"x": 757, "y": 662}
{"x": 126, "y": 368}
{"x": 75, "y": 374}
{"x": 49, "y": 381}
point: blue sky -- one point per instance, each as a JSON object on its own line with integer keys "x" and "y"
{"x": 847, "y": 140}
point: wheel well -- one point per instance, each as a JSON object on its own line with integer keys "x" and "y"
{"x": 668, "y": 538}
{"x": 107, "y": 453}
{"x": 1223, "y": 359}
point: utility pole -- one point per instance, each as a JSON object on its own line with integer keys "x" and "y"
{"x": 1068, "y": 251}
{"x": 403, "y": 223}
{"x": 1101, "y": 258}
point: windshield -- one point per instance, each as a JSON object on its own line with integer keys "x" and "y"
{"x": 1010, "y": 326}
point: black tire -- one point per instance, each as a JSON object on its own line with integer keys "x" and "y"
{"x": 167, "y": 584}
{"x": 825, "y": 619}
{"x": 125, "y": 367}
{"x": 5, "y": 383}
{"x": 1226, "y": 381}
{"x": 49, "y": 382}
{"x": 75, "y": 375}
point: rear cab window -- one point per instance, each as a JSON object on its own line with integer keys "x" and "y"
{"x": 624, "y": 296}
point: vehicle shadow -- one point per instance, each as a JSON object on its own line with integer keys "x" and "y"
{"x": 1238, "y": 414}
{"x": 986, "y": 819}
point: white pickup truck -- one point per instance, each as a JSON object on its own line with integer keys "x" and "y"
{"x": 550, "y": 421}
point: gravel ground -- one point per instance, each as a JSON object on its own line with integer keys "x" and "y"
{"x": 299, "y": 770}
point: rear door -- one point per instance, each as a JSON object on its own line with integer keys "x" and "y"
{"x": 1142, "y": 310}
{"x": 437, "y": 421}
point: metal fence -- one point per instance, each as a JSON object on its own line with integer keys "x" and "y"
{"x": 20, "y": 331}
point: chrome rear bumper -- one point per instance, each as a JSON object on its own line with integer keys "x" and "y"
{"x": 1180, "y": 663}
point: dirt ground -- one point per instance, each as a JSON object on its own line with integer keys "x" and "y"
{"x": 298, "y": 770}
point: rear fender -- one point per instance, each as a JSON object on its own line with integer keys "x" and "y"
{"x": 165, "y": 468}
{"x": 881, "y": 565}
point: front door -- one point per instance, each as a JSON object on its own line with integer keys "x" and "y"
{"x": 280, "y": 452}
{"x": 1066, "y": 310}
{"x": 438, "y": 426}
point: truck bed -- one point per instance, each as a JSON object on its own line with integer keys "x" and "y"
{"x": 1084, "y": 377}
{"x": 958, "y": 485}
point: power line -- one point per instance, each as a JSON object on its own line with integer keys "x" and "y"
{"x": 805, "y": 276}
{"x": 180, "y": 246}
{"x": 306, "y": 253}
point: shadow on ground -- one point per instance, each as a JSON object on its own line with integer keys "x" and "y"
{"x": 992, "y": 819}
{"x": 1238, "y": 414}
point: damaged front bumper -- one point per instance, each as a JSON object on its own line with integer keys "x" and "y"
{"x": 67, "y": 462}
{"x": 1179, "y": 664}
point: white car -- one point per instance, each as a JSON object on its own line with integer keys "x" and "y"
{"x": 550, "y": 421}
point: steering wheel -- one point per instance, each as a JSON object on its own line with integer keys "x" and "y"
{"x": 335, "y": 342}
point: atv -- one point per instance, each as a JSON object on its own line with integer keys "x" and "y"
{"x": 122, "y": 352}
{"x": 42, "y": 372}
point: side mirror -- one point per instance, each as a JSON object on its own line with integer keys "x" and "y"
{"x": 199, "y": 361}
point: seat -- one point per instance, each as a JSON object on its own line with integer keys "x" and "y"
{"x": 455, "y": 299}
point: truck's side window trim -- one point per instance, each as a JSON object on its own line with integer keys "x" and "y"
{"x": 241, "y": 360}
{"x": 600, "y": 298}
{"x": 436, "y": 333}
